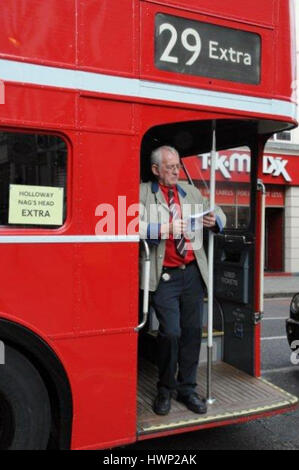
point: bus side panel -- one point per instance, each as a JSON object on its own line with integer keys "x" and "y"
{"x": 107, "y": 184}
{"x": 37, "y": 106}
{"x": 254, "y": 11}
{"x": 37, "y": 285}
{"x": 102, "y": 372}
{"x": 108, "y": 176}
{"x": 108, "y": 189}
{"x": 38, "y": 31}
{"x": 108, "y": 36}
{"x": 108, "y": 287}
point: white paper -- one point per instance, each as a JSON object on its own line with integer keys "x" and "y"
{"x": 194, "y": 222}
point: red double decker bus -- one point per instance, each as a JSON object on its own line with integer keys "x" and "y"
{"x": 90, "y": 87}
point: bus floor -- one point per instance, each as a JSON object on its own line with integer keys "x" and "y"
{"x": 236, "y": 394}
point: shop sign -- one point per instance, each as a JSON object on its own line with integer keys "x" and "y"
{"x": 235, "y": 165}
{"x": 276, "y": 166}
{"x": 240, "y": 195}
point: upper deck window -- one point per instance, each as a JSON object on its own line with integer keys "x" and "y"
{"x": 32, "y": 180}
{"x": 284, "y": 136}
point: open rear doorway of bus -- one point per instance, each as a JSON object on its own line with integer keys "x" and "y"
{"x": 238, "y": 393}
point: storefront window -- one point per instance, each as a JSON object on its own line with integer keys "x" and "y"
{"x": 236, "y": 217}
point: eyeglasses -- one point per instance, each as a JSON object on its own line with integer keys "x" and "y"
{"x": 173, "y": 167}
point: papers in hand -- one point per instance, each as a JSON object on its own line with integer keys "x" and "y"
{"x": 194, "y": 222}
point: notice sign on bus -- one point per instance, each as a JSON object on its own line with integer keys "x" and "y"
{"x": 207, "y": 50}
{"x": 38, "y": 205}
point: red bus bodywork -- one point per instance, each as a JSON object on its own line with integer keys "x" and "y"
{"x": 85, "y": 71}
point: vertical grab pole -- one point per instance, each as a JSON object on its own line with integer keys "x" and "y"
{"x": 210, "y": 400}
{"x": 261, "y": 187}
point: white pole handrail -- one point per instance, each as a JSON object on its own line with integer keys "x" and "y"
{"x": 262, "y": 188}
{"x": 210, "y": 400}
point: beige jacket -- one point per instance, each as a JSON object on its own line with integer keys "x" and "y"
{"x": 154, "y": 210}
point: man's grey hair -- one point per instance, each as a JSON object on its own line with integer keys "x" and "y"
{"x": 156, "y": 155}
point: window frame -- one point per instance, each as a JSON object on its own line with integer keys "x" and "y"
{"x": 13, "y": 229}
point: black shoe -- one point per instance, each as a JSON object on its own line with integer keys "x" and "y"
{"x": 162, "y": 403}
{"x": 193, "y": 403}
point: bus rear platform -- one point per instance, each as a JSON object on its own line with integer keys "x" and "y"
{"x": 238, "y": 397}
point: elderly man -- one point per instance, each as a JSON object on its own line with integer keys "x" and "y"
{"x": 178, "y": 274}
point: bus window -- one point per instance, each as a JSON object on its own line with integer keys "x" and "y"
{"x": 236, "y": 216}
{"x": 32, "y": 180}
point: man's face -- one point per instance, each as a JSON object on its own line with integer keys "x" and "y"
{"x": 169, "y": 169}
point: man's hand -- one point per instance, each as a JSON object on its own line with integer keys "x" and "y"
{"x": 176, "y": 228}
{"x": 209, "y": 220}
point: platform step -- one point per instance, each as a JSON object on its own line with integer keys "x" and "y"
{"x": 237, "y": 396}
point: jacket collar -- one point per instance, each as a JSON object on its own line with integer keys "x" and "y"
{"x": 155, "y": 188}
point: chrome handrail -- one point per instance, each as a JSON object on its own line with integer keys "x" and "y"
{"x": 146, "y": 267}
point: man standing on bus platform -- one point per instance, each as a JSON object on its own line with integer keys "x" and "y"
{"x": 177, "y": 277}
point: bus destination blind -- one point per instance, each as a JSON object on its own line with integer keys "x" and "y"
{"x": 203, "y": 49}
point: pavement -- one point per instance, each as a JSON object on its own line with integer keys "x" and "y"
{"x": 281, "y": 286}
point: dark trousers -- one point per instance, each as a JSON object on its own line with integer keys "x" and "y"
{"x": 178, "y": 303}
